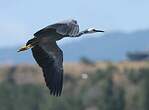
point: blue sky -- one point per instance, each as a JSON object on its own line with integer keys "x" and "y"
{"x": 19, "y": 19}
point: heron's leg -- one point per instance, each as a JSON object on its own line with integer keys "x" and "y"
{"x": 25, "y": 48}
{"x": 30, "y": 43}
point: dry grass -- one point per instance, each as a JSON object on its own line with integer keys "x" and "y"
{"x": 78, "y": 68}
{"x": 26, "y": 73}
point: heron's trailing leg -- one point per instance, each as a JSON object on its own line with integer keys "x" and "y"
{"x": 25, "y": 48}
{"x": 31, "y": 43}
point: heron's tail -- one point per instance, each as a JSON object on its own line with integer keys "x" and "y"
{"x": 30, "y": 43}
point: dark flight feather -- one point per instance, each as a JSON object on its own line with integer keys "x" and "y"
{"x": 52, "y": 69}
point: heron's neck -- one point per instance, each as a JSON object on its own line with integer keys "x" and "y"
{"x": 82, "y": 32}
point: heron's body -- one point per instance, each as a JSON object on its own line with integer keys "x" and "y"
{"x": 52, "y": 35}
{"x": 47, "y": 53}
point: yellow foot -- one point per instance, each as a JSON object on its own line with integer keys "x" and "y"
{"x": 25, "y": 48}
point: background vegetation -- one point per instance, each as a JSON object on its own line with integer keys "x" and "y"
{"x": 107, "y": 86}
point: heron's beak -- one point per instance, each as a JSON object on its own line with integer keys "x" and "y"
{"x": 99, "y": 31}
{"x": 25, "y": 48}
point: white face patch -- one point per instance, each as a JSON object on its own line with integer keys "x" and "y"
{"x": 91, "y": 29}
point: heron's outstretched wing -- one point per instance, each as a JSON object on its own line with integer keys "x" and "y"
{"x": 65, "y": 28}
{"x": 52, "y": 66}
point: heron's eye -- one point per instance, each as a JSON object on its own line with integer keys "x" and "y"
{"x": 94, "y": 29}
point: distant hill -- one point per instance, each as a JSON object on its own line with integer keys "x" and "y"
{"x": 110, "y": 46}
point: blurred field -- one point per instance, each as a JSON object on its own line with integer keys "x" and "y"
{"x": 105, "y": 86}
{"x": 28, "y": 73}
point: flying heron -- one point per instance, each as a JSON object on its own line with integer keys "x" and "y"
{"x": 47, "y": 53}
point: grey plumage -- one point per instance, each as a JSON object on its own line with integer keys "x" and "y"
{"x": 65, "y": 28}
{"x": 47, "y": 53}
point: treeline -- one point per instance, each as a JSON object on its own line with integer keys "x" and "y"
{"x": 104, "y": 89}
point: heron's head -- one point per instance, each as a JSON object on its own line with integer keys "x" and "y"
{"x": 93, "y": 30}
